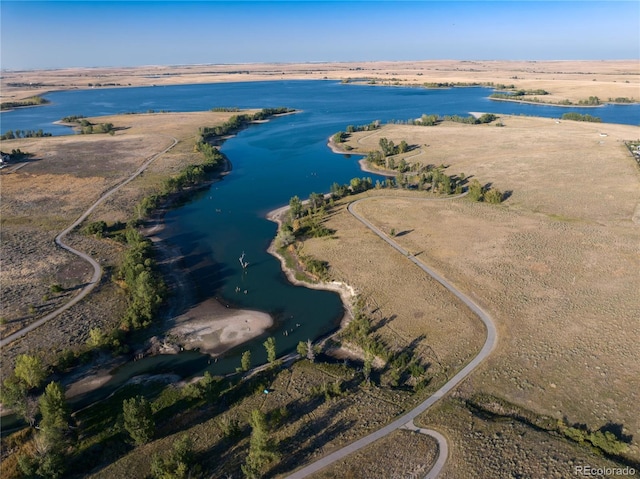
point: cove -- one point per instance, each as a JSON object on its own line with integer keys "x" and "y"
{"x": 270, "y": 163}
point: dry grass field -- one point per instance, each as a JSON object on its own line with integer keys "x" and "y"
{"x": 385, "y": 458}
{"x": 311, "y": 425}
{"x": 60, "y": 181}
{"x": 557, "y": 264}
{"x": 572, "y": 80}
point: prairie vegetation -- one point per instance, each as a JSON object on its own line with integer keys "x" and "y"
{"x": 536, "y": 262}
{"x": 71, "y": 173}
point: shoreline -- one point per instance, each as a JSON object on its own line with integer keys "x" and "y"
{"x": 346, "y": 292}
{"x": 614, "y": 78}
{"x": 364, "y": 166}
{"x": 541, "y": 103}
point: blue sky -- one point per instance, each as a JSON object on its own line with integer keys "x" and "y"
{"x": 55, "y": 34}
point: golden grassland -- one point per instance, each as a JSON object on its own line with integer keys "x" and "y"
{"x": 572, "y": 80}
{"x": 557, "y": 264}
{"x": 55, "y": 186}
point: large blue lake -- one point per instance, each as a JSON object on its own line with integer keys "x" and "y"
{"x": 272, "y": 162}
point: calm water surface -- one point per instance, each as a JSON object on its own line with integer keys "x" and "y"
{"x": 271, "y": 162}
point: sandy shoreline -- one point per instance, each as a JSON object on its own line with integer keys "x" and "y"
{"x": 346, "y": 292}
{"x": 214, "y": 329}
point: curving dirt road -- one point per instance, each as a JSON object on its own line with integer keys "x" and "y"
{"x": 97, "y": 269}
{"x": 406, "y": 421}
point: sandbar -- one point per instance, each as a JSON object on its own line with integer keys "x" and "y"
{"x": 215, "y": 329}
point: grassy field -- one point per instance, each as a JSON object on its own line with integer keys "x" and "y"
{"x": 556, "y": 264}
{"x": 61, "y": 179}
{"x": 303, "y": 421}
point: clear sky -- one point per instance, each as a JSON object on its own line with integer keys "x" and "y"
{"x": 53, "y": 34}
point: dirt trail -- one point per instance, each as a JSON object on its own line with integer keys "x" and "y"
{"x": 406, "y": 421}
{"x": 97, "y": 269}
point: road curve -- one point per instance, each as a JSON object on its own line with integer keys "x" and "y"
{"x": 406, "y": 420}
{"x": 97, "y": 269}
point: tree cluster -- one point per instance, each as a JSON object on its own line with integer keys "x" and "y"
{"x": 20, "y": 393}
{"x": 145, "y": 289}
{"x": 402, "y": 366}
{"x": 477, "y": 192}
{"x": 88, "y": 128}
{"x": 388, "y": 148}
{"x": 138, "y": 419}
{"x": 72, "y": 118}
{"x": 179, "y": 463}
{"x": 580, "y": 117}
{"x": 592, "y": 100}
{"x": 17, "y": 155}
{"x": 262, "y": 447}
{"x": 237, "y": 122}
{"x": 341, "y": 136}
{"x": 11, "y": 134}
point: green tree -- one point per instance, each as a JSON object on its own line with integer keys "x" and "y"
{"x": 306, "y": 350}
{"x": 475, "y": 190}
{"x": 284, "y": 238}
{"x": 295, "y": 207}
{"x": 387, "y": 147}
{"x": 245, "y": 361}
{"x": 270, "y": 346}
{"x": 138, "y": 419}
{"x": 262, "y": 448}
{"x": 97, "y": 338}
{"x": 55, "y": 415}
{"x": 316, "y": 200}
{"x": 14, "y": 395}
{"x": 30, "y": 370}
{"x": 493, "y": 196}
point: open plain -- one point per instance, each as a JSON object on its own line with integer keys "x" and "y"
{"x": 557, "y": 264}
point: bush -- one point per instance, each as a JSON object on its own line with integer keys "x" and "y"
{"x": 97, "y": 228}
{"x": 493, "y": 196}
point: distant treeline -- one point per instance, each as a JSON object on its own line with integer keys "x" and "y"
{"x": 580, "y": 117}
{"x": 225, "y": 108}
{"x": 11, "y": 134}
